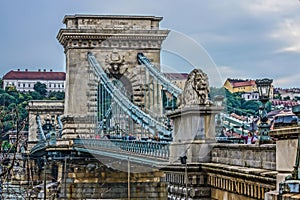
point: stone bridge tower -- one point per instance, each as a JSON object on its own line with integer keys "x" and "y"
{"x": 115, "y": 42}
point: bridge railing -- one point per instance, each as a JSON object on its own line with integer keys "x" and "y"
{"x": 138, "y": 147}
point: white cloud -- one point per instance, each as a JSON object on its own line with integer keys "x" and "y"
{"x": 272, "y": 6}
{"x": 287, "y": 81}
{"x": 289, "y": 33}
{"x": 231, "y": 72}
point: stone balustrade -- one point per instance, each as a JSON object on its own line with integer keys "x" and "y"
{"x": 147, "y": 148}
{"x": 263, "y": 156}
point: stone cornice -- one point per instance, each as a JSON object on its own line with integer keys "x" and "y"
{"x": 195, "y": 110}
{"x": 285, "y": 133}
{"x": 71, "y": 38}
{"x": 245, "y": 173}
{"x": 141, "y": 17}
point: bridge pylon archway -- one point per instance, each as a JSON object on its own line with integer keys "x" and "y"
{"x": 115, "y": 41}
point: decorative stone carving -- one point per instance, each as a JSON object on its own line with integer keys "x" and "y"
{"x": 195, "y": 91}
{"x": 115, "y": 63}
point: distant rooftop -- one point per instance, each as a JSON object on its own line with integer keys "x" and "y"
{"x": 241, "y": 82}
{"x": 34, "y": 75}
{"x": 176, "y": 76}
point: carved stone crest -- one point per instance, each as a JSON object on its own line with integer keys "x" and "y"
{"x": 195, "y": 90}
{"x": 115, "y": 63}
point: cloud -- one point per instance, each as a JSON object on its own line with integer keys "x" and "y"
{"x": 287, "y": 81}
{"x": 272, "y": 6}
{"x": 288, "y": 32}
{"x": 245, "y": 38}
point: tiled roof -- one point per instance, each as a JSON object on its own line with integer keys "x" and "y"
{"x": 32, "y": 75}
{"x": 244, "y": 83}
{"x": 176, "y": 76}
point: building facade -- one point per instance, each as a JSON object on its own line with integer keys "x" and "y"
{"x": 177, "y": 79}
{"x": 250, "y": 96}
{"x": 24, "y": 81}
{"x": 240, "y": 85}
{"x": 247, "y": 87}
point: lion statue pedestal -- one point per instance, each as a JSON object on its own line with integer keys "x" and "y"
{"x": 194, "y": 121}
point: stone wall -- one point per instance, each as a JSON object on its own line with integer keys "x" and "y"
{"x": 90, "y": 179}
{"x": 263, "y": 156}
{"x": 115, "y": 42}
{"x": 187, "y": 182}
{"x": 45, "y": 109}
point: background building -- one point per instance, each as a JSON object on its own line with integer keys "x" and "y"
{"x": 247, "y": 87}
{"x": 177, "y": 79}
{"x": 24, "y": 80}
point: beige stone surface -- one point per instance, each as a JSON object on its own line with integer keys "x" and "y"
{"x": 111, "y": 39}
{"x": 193, "y": 131}
{"x": 286, "y": 154}
{"x": 45, "y": 109}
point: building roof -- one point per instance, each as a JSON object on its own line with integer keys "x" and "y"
{"x": 241, "y": 82}
{"x": 176, "y": 76}
{"x": 244, "y": 83}
{"x": 34, "y": 75}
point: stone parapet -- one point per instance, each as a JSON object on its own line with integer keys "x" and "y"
{"x": 194, "y": 130}
{"x": 274, "y": 195}
{"x": 244, "y": 183}
{"x": 263, "y": 156}
{"x": 286, "y": 151}
{"x": 187, "y": 182}
{"x": 285, "y": 133}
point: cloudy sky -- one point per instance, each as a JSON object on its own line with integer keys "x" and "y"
{"x": 243, "y": 38}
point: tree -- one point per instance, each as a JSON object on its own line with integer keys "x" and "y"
{"x": 9, "y": 160}
{"x": 56, "y": 95}
{"x": 41, "y": 88}
{"x": 6, "y": 99}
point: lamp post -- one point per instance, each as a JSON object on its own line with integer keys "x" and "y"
{"x": 183, "y": 160}
{"x": 219, "y": 102}
{"x": 264, "y": 88}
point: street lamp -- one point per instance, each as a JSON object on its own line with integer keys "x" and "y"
{"x": 264, "y": 88}
{"x": 219, "y": 102}
{"x": 183, "y": 160}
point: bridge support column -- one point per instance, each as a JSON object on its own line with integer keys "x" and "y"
{"x": 88, "y": 178}
{"x": 78, "y": 126}
{"x": 45, "y": 109}
{"x": 194, "y": 130}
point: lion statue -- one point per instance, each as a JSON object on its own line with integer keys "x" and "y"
{"x": 195, "y": 90}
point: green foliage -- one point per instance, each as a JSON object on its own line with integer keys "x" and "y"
{"x": 40, "y": 88}
{"x": 235, "y": 103}
{"x": 11, "y": 101}
{"x": 35, "y": 95}
{"x": 6, "y": 99}
{"x": 214, "y": 91}
{"x": 287, "y": 98}
{"x": 56, "y": 95}
{"x": 6, "y": 146}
